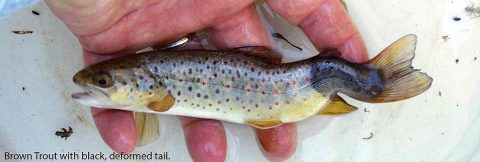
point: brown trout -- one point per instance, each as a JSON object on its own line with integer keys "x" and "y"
{"x": 245, "y": 85}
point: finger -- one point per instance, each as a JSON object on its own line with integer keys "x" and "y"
{"x": 148, "y": 25}
{"x": 326, "y": 23}
{"x": 117, "y": 128}
{"x": 242, "y": 30}
{"x": 205, "y": 139}
{"x": 278, "y": 143}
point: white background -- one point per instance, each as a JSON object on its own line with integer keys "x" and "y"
{"x": 428, "y": 127}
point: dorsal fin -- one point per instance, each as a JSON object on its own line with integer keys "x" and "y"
{"x": 261, "y": 51}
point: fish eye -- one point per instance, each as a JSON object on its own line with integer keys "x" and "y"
{"x": 103, "y": 79}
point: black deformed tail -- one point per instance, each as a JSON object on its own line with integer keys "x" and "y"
{"x": 401, "y": 80}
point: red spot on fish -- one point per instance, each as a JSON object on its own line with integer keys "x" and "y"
{"x": 180, "y": 80}
{"x": 276, "y": 91}
{"x": 263, "y": 92}
{"x": 248, "y": 89}
{"x": 227, "y": 86}
{"x": 288, "y": 102}
{"x": 276, "y": 102}
{"x": 203, "y": 83}
{"x": 294, "y": 82}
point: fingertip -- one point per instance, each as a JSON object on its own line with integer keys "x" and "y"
{"x": 206, "y": 140}
{"x": 117, "y": 129}
{"x": 354, "y": 50}
{"x": 279, "y": 143}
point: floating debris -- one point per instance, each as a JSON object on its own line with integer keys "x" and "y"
{"x": 64, "y": 133}
{"x": 474, "y": 58}
{"x": 445, "y": 38}
{"x": 280, "y": 36}
{"x": 365, "y": 110}
{"x": 457, "y": 18}
{"x": 23, "y": 88}
{"x": 457, "y": 60}
{"x": 35, "y": 12}
{"x": 440, "y": 93}
{"x": 22, "y": 31}
{"x": 475, "y": 11}
{"x": 369, "y": 137}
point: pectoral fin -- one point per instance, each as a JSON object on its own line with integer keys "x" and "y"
{"x": 264, "y": 124}
{"x": 148, "y": 129}
{"x": 162, "y": 105}
{"x": 337, "y": 106}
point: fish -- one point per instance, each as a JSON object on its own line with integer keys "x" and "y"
{"x": 249, "y": 85}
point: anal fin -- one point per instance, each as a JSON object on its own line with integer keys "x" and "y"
{"x": 337, "y": 106}
{"x": 148, "y": 129}
{"x": 264, "y": 124}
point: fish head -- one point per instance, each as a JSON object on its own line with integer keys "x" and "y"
{"x": 117, "y": 86}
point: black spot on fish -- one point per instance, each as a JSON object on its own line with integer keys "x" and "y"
{"x": 219, "y": 102}
{"x": 267, "y": 72}
{"x": 205, "y": 97}
{"x": 210, "y": 105}
{"x": 225, "y": 62}
{"x": 215, "y": 75}
{"x": 190, "y": 88}
{"x": 131, "y": 89}
{"x": 206, "y": 58}
{"x": 227, "y": 100}
{"x": 252, "y": 69}
{"x": 179, "y": 93}
{"x": 251, "y": 79}
{"x": 256, "y": 86}
{"x": 243, "y": 107}
{"x": 256, "y": 105}
{"x": 198, "y": 105}
{"x": 174, "y": 65}
{"x": 150, "y": 87}
{"x": 199, "y": 95}
{"x": 181, "y": 62}
{"x": 124, "y": 83}
{"x": 231, "y": 60}
{"x": 270, "y": 107}
{"x": 259, "y": 73}
{"x": 284, "y": 71}
{"x": 185, "y": 100}
{"x": 238, "y": 74}
{"x": 140, "y": 77}
{"x": 248, "y": 110}
{"x": 217, "y": 91}
{"x": 214, "y": 62}
{"x": 245, "y": 74}
{"x": 190, "y": 71}
{"x": 136, "y": 85}
{"x": 233, "y": 79}
{"x": 229, "y": 71}
{"x": 161, "y": 61}
{"x": 208, "y": 66}
{"x": 201, "y": 70}
{"x": 199, "y": 62}
{"x": 217, "y": 109}
{"x": 169, "y": 91}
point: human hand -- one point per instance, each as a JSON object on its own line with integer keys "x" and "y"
{"x": 105, "y": 27}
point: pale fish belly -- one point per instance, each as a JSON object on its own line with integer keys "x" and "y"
{"x": 237, "y": 90}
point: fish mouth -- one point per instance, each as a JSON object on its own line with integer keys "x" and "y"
{"x": 88, "y": 99}
{"x": 80, "y": 95}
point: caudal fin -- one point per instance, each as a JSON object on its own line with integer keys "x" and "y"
{"x": 401, "y": 80}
